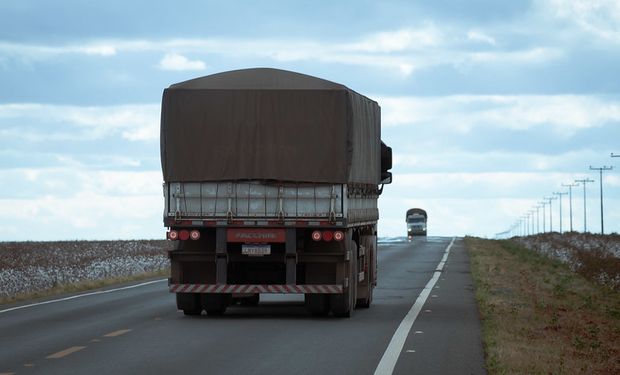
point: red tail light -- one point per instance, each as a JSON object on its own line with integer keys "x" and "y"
{"x": 184, "y": 234}
{"x": 316, "y": 235}
{"x": 173, "y": 235}
{"x": 338, "y": 235}
{"x": 328, "y": 235}
{"x": 194, "y": 235}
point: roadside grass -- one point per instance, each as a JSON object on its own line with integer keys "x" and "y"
{"x": 81, "y": 287}
{"x": 539, "y": 317}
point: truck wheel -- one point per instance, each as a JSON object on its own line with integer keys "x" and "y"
{"x": 189, "y": 303}
{"x": 317, "y": 304}
{"x": 365, "y": 302}
{"x": 216, "y": 303}
{"x": 365, "y": 288}
{"x": 342, "y": 305}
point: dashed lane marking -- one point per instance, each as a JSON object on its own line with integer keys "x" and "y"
{"x": 117, "y": 333}
{"x": 82, "y": 295}
{"x": 66, "y": 352}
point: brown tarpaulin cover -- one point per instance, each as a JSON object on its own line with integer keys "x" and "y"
{"x": 269, "y": 124}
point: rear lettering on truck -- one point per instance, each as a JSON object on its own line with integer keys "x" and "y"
{"x": 255, "y": 235}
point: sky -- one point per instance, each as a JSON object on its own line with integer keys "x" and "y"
{"x": 489, "y": 106}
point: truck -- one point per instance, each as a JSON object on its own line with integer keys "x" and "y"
{"x": 271, "y": 181}
{"x": 416, "y": 222}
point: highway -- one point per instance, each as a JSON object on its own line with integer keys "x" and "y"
{"x": 423, "y": 320}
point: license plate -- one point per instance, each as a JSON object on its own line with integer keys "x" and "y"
{"x": 256, "y": 250}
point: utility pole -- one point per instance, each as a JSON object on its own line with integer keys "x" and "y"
{"x": 584, "y": 182}
{"x": 544, "y": 216}
{"x": 559, "y": 195}
{"x": 537, "y": 219}
{"x": 600, "y": 170}
{"x": 550, "y": 213}
{"x": 570, "y": 202}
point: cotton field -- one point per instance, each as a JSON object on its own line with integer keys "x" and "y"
{"x": 594, "y": 256}
{"x": 35, "y": 266}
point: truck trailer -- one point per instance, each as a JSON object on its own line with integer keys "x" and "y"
{"x": 271, "y": 181}
{"x": 416, "y": 219}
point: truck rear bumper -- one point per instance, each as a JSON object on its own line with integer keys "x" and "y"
{"x": 272, "y": 288}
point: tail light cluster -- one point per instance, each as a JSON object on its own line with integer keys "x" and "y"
{"x": 183, "y": 234}
{"x": 327, "y": 235}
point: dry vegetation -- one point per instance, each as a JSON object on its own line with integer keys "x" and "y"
{"x": 540, "y": 317}
{"x": 31, "y": 269}
{"x": 595, "y": 256}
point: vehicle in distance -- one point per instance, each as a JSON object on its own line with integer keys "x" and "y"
{"x": 271, "y": 181}
{"x": 416, "y": 222}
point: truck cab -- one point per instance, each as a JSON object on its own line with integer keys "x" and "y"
{"x": 416, "y": 219}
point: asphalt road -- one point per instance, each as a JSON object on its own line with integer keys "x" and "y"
{"x": 422, "y": 321}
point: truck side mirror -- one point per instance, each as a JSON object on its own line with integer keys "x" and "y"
{"x": 386, "y": 177}
{"x": 386, "y": 164}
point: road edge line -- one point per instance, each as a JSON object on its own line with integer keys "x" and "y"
{"x": 82, "y": 295}
{"x": 392, "y": 352}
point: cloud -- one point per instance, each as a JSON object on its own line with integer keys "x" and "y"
{"x": 101, "y": 50}
{"x": 487, "y": 203}
{"x": 600, "y": 18}
{"x": 66, "y": 179}
{"x": 40, "y": 122}
{"x": 173, "y": 61}
{"x": 566, "y": 114}
{"x": 81, "y": 216}
{"x": 397, "y": 41}
{"x": 447, "y": 160}
{"x": 478, "y": 36}
{"x": 76, "y": 202}
{"x": 404, "y": 50}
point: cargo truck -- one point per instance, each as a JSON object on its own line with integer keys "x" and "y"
{"x": 271, "y": 181}
{"x": 416, "y": 219}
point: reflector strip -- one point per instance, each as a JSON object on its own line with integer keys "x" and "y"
{"x": 236, "y": 288}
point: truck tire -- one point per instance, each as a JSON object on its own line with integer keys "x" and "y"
{"x": 317, "y": 304}
{"x": 189, "y": 303}
{"x": 216, "y": 303}
{"x": 365, "y": 288}
{"x": 342, "y": 305}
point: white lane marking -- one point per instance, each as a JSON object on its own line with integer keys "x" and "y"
{"x": 65, "y": 352}
{"x": 395, "y": 347}
{"x": 117, "y": 333}
{"x": 83, "y": 295}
